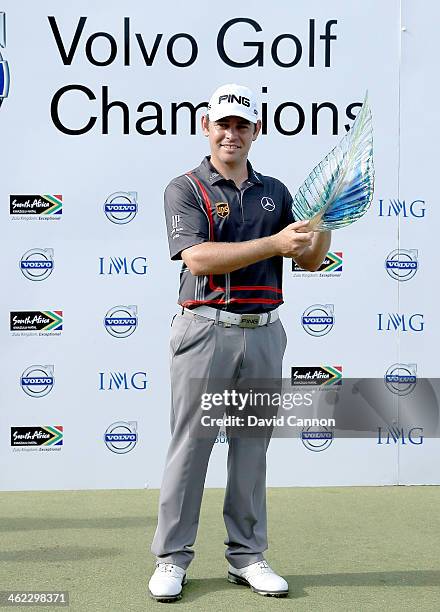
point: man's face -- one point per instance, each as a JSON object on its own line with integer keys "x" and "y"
{"x": 230, "y": 138}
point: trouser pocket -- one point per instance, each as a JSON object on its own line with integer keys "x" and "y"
{"x": 179, "y": 328}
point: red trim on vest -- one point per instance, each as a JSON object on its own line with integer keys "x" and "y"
{"x": 260, "y": 301}
{"x": 257, "y": 288}
{"x": 207, "y": 204}
{"x": 198, "y": 302}
{"x": 239, "y": 300}
{"x": 218, "y": 288}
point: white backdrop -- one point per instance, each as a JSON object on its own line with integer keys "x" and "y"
{"x": 387, "y": 48}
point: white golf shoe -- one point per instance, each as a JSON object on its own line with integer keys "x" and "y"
{"x": 260, "y": 578}
{"x": 167, "y": 581}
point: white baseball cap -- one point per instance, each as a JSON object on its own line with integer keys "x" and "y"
{"x": 233, "y": 100}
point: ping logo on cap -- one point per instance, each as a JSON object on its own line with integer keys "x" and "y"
{"x": 231, "y": 98}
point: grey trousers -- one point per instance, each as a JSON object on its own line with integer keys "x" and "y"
{"x": 205, "y": 351}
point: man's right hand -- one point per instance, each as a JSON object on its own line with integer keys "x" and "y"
{"x": 293, "y": 240}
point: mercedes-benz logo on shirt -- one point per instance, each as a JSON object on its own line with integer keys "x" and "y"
{"x": 268, "y": 204}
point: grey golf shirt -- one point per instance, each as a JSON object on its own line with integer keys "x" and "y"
{"x": 202, "y": 206}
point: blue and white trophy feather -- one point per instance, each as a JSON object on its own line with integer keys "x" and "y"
{"x": 340, "y": 189}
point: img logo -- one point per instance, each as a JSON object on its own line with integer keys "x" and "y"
{"x": 121, "y": 321}
{"x": 37, "y": 380}
{"x": 4, "y": 68}
{"x": 316, "y": 440}
{"x": 390, "y": 208}
{"x": 402, "y": 264}
{"x": 400, "y": 378}
{"x": 400, "y": 435}
{"x": 121, "y": 437}
{"x": 393, "y": 321}
{"x": 108, "y": 381}
{"x": 37, "y": 264}
{"x": 121, "y": 207}
{"x": 318, "y": 320}
{"x": 109, "y": 266}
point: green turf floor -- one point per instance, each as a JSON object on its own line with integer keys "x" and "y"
{"x": 353, "y": 549}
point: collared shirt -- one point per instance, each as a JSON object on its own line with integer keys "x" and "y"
{"x": 202, "y": 206}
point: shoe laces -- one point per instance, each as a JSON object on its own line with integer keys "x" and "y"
{"x": 264, "y": 567}
{"x": 165, "y": 567}
{"x": 258, "y": 568}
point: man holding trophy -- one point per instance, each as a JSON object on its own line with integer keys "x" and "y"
{"x": 232, "y": 227}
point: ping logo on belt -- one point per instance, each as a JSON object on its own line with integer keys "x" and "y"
{"x": 249, "y": 320}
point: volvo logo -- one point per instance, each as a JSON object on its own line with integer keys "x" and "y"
{"x": 316, "y": 440}
{"x": 121, "y": 437}
{"x": 401, "y": 378}
{"x": 37, "y": 380}
{"x": 121, "y": 321}
{"x": 37, "y": 264}
{"x": 402, "y": 264}
{"x": 121, "y": 207}
{"x": 318, "y": 320}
